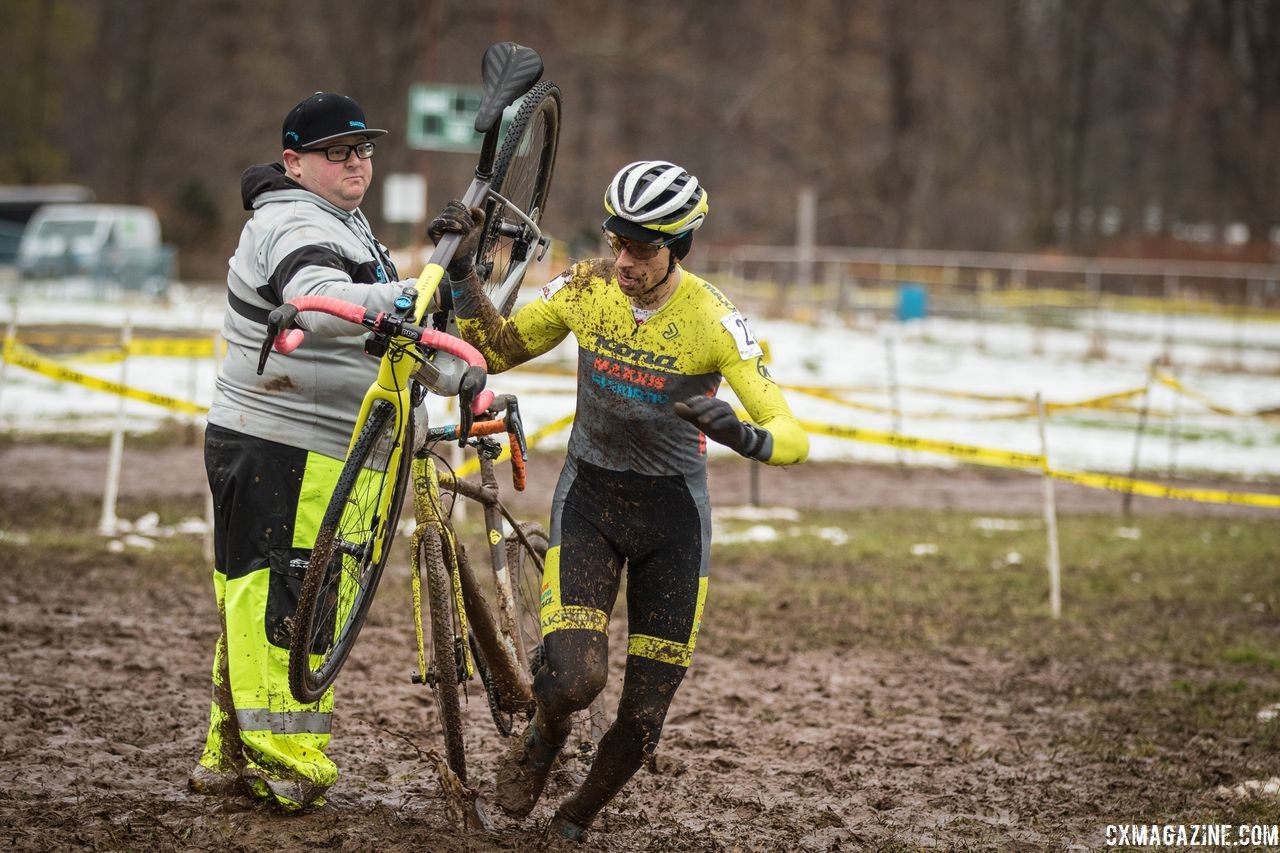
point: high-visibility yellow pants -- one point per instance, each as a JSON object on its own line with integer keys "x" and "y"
{"x": 268, "y": 503}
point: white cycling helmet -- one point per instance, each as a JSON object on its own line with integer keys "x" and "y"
{"x": 654, "y": 200}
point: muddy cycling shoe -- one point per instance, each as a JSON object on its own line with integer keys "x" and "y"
{"x": 215, "y": 783}
{"x": 563, "y": 827}
{"x": 523, "y": 772}
{"x": 288, "y": 795}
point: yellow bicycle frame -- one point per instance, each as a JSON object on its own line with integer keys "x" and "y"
{"x": 392, "y": 385}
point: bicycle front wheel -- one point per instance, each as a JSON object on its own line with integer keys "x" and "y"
{"x": 522, "y": 175}
{"x": 349, "y": 554}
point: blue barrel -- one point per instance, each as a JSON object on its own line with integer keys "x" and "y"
{"x": 913, "y": 302}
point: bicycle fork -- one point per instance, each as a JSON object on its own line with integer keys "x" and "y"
{"x": 429, "y": 512}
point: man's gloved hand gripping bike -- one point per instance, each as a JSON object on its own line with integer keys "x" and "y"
{"x": 417, "y": 355}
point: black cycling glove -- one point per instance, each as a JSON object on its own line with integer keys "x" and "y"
{"x": 715, "y": 417}
{"x": 457, "y": 219}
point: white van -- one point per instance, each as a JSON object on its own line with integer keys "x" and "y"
{"x": 119, "y": 243}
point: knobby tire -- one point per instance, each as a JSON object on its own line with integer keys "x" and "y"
{"x": 443, "y": 673}
{"x": 522, "y": 174}
{"x": 319, "y": 645}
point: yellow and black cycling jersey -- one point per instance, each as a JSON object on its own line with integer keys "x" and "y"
{"x": 631, "y": 373}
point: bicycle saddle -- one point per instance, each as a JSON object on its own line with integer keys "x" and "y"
{"x": 509, "y": 70}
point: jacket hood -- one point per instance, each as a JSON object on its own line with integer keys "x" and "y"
{"x": 262, "y": 178}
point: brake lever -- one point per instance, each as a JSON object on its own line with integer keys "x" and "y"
{"x": 473, "y": 382}
{"x": 515, "y": 426}
{"x": 279, "y": 319}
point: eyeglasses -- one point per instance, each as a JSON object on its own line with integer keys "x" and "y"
{"x": 340, "y": 153}
{"x": 638, "y": 249}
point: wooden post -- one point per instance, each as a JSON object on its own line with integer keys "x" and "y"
{"x": 108, "y": 524}
{"x": 1050, "y": 517}
{"x": 895, "y": 397}
{"x": 1170, "y": 288}
{"x": 1127, "y": 500}
{"x": 1173, "y": 434}
{"x": 806, "y": 237}
{"x": 1098, "y": 338}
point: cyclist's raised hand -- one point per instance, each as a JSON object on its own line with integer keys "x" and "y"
{"x": 457, "y": 219}
{"x": 715, "y": 417}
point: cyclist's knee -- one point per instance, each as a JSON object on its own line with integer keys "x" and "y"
{"x": 569, "y": 690}
{"x": 575, "y": 672}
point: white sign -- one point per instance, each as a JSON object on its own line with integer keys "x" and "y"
{"x": 404, "y": 198}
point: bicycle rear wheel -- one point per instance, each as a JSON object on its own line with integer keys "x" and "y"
{"x": 522, "y": 175}
{"x": 349, "y": 554}
{"x": 443, "y": 674}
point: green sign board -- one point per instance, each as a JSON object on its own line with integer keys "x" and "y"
{"x": 442, "y": 117}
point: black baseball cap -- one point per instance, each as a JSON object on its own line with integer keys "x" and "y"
{"x": 322, "y": 117}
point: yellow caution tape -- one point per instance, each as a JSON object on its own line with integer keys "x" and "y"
{"x": 111, "y": 350}
{"x": 1107, "y": 401}
{"x": 1156, "y": 490}
{"x": 966, "y": 452}
{"x": 833, "y": 397}
{"x": 1010, "y": 459}
{"x": 19, "y": 355}
{"x": 62, "y": 339}
{"x": 174, "y": 347}
{"x": 1167, "y": 380}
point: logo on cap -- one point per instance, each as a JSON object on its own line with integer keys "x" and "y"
{"x": 359, "y": 124}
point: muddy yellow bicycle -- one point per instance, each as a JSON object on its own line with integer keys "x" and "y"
{"x": 391, "y": 445}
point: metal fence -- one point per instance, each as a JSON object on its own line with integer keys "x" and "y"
{"x": 791, "y": 280}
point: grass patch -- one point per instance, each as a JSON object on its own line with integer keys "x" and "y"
{"x": 40, "y": 531}
{"x": 1196, "y": 591}
{"x": 168, "y": 433}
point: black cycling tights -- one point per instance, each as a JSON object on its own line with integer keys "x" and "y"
{"x": 647, "y": 690}
{"x": 603, "y": 521}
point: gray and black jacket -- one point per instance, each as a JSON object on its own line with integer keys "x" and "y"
{"x": 299, "y": 244}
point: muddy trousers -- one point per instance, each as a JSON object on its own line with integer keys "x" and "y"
{"x": 268, "y": 502}
{"x": 659, "y": 529}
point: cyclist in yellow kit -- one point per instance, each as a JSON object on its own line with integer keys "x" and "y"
{"x": 654, "y": 341}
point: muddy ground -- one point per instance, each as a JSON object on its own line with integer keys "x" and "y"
{"x": 104, "y": 698}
